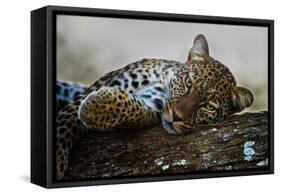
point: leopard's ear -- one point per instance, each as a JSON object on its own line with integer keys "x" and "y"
{"x": 199, "y": 50}
{"x": 242, "y": 98}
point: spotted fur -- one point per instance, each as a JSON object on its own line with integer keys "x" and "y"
{"x": 67, "y": 92}
{"x": 152, "y": 91}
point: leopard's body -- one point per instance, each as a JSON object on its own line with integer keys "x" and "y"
{"x": 66, "y": 92}
{"x": 153, "y": 91}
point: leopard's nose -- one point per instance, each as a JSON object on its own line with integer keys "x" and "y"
{"x": 176, "y": 117}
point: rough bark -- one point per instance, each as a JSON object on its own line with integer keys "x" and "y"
{"x": 240, "y": 142}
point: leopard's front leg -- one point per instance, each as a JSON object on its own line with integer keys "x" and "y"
{"x": 112, "y": 107}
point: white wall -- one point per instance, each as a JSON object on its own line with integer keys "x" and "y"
{"x": 15, "y": 103}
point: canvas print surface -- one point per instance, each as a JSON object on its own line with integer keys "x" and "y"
{"x": 138, "y": 98}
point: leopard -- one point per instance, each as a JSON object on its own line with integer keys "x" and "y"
{"x": 175, "y": 95}
{"x": 66, "y": 92}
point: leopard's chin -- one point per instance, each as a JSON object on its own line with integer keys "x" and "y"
{"x": 176, "y": 128}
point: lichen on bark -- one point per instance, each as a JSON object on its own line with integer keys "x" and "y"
{"x": 240, "y": 142}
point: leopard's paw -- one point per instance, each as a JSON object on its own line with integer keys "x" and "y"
{"x": 102, "y": 109}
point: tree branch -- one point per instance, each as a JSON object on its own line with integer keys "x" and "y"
{"x": 241, "y": 142}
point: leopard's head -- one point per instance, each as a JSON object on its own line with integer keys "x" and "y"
{"x": 203, "y": 92}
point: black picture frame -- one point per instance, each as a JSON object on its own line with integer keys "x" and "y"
{"x": 43, "y": 80}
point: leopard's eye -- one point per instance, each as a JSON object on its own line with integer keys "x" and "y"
{"x": 188, "y": 82}
{"x": 210, "y": 107}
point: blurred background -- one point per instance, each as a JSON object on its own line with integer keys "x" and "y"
{"x": 88, "y": 47}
